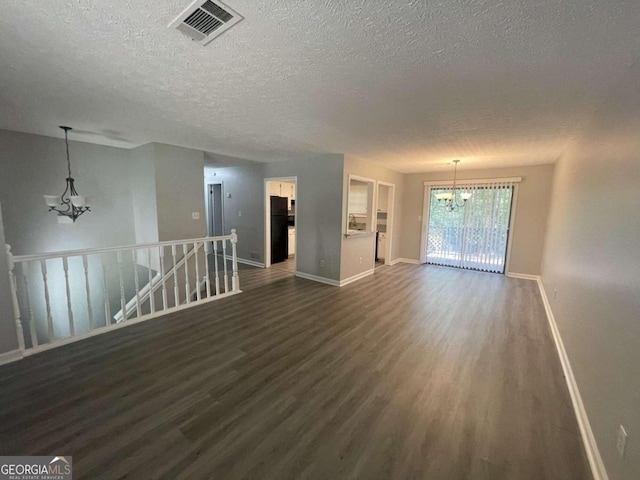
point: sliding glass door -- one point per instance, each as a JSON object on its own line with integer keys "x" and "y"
{"x": 474, "y": 236}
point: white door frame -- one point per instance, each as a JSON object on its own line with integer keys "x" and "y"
{"x": 267, "y": 220}
{"x": 209, "y": 212}
{"x": 427, "y": 201}
{"x": 390, "y": 207}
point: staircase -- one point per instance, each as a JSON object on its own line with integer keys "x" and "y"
{"x": 66, "y": 296}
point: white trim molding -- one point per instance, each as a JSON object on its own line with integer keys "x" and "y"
{"x": 11, "y": 356}
{"x": 316, "y": 278}
{"x": 474, "y": 181}
{"x": 357, "y": 277}
{"x": 524, "y": 276}
{"x": 253, "y": 263}
{"x": 412, "y": 261}
{"x": 589, "y": 441}
{"x": 598, "y": 469}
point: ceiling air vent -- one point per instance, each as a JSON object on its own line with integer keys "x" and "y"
{"x": 203, "y": 22}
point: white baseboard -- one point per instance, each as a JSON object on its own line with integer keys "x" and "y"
{"x": 591, "y": 447}
{"x": 394, "y": 262}
{"x": 407, "y": 260}
{"x": 11, "y": 356}
{"x": 316, "y": 278}
{"x": 524, "y": 276}
{"x": 357, "y": 277}
{"x": 253, "y": 263}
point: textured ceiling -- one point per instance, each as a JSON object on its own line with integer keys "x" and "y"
{"x": 409, "y": 84}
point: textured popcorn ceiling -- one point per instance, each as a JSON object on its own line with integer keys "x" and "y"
{"x": 409, "y": 84}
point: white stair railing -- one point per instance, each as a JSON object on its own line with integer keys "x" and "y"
{"x": 65, "y": 296}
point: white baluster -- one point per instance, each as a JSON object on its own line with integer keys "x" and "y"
{"x": 186, "y": 273}
{"x": 14, "y": 298}
{"x": 176, "y": 292}
{"x": 224, "y": 262}
{"x": 27, "y": 295}
{"x": 196, "y": 246}
{"x": 65, "y": 266}
{"x": 134, "y": 256}
{"x": 47, "y": 300}
{"x": 215, "y": 261}
{"x": 152, "y": 302}
{"x": 123, "y": 302}
{"x": 107, "y": 307}
{"x": 85, "y": 266}
{"x": 235, "y": 281}
{"x": 162, "y": 278}
{"x": 206, "y": 268}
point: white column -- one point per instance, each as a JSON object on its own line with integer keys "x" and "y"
{"x": 235, "y": 281}
{"x": 87, "y": 287}
{"x": 65, "y": 266}
{"x": 14, "y": 298}
{"x": 47, "y": 300}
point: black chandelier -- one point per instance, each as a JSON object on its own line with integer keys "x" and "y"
{"x": 69, "y": 205}
{"x": 448, "y": 199}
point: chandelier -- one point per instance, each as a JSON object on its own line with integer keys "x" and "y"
{"x": 448, "y": 199}
{"x": 69, "y": 206}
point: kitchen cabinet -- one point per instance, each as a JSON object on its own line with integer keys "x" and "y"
{"x": 292, "y": 241}
{"x": 283, "y": 189}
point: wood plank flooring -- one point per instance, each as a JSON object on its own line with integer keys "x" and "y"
{"x": 416, "y": 372}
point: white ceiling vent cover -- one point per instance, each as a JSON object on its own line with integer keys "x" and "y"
{"x": 204, "y": 21}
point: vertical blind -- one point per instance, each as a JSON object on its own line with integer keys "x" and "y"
{"x": 474, "y": 236}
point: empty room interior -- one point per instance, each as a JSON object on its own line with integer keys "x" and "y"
{"x": 320, "y": 240}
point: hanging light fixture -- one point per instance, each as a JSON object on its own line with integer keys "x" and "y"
{"x": 448, "y": 199}
{"x": 69, "y": 206}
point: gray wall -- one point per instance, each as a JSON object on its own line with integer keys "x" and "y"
{"x": 179, "y": 177}
{"x": 34, "y": 165}
{"x": 245, "y": 184}
{"x": 592, "y": 258}
{"x": 142, "y": 179}
{"x": 318, "y": 211}
{"x": 8, "y": 339}
{"x": 528, "y": 231}
{"x": 355, "y": 247}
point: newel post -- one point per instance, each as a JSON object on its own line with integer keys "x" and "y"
{"x": 14, "y": 297}
{"x": 235, "y": 280}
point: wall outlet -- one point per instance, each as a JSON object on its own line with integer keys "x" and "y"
{"x": 360, "y": 260}
{"x": 555, "y": 293}
{"x": 321, "y": 263}
{"x": 621, "y": 444}
{"x": 239, "y": 213}
{"x": 195, "y": 215}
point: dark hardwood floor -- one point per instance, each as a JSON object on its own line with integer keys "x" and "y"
{"x": 415, "y": 372}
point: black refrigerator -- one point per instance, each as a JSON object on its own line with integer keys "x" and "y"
{"x": 279, "y": 229}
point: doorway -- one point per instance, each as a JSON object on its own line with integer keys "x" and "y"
{"x": 473, "y": 235}
{"x": 281, "y": 225}
{"x": 384, "y": 223}
{"x": 215, "y": 200}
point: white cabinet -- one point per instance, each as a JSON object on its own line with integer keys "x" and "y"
{"x": 283, "y": 189}
{"x": 292, "y": 241}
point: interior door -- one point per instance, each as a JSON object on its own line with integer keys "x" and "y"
{"x": 216, "y": 215}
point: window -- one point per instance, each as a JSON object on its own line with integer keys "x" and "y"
{"x": 475, "y": 236}
{"x": 360, "y": 205}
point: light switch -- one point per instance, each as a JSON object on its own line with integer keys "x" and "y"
{"x": 195, "y": 215}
